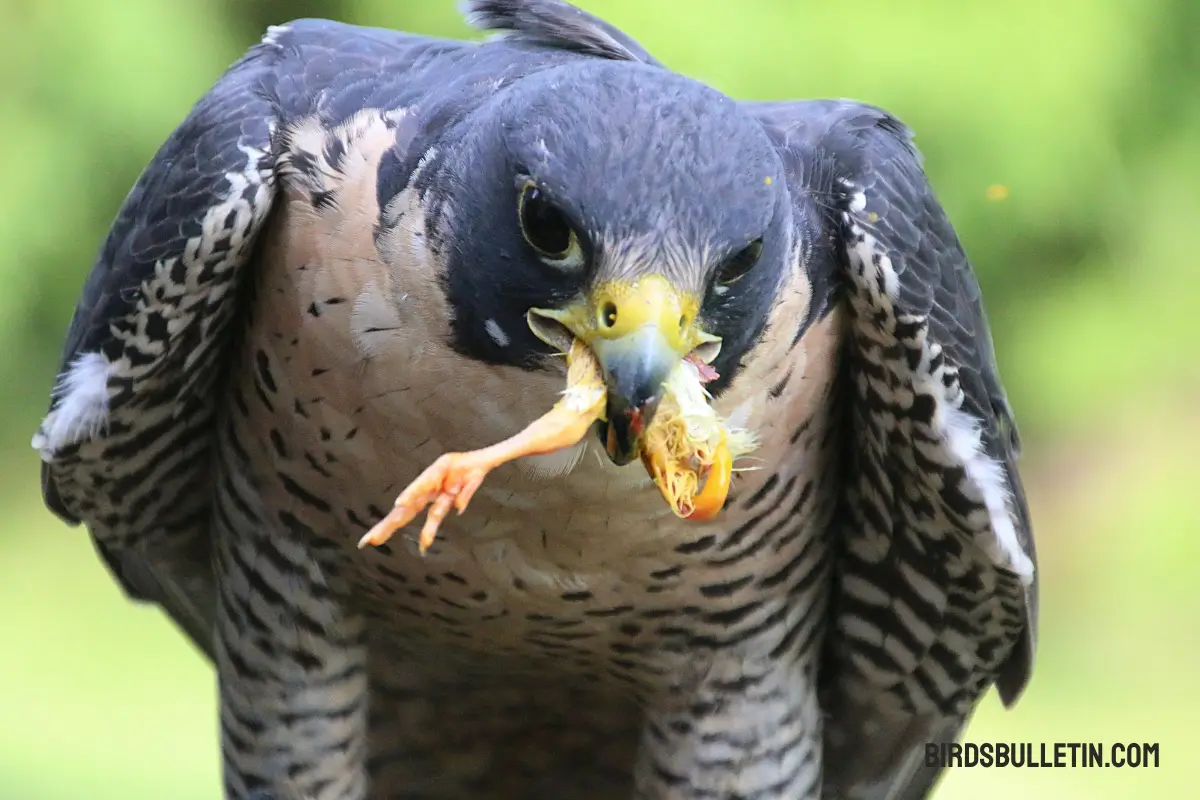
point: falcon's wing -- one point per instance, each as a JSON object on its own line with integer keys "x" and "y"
{"x": 936, "y": 589}
{"x": 127, "y": 441}
{"x": 126, "y": 438}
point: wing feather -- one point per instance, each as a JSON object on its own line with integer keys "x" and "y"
{"x": 936, "y": 591}
{"x": 127, "y": 419}
{"x": 127, "y": 442}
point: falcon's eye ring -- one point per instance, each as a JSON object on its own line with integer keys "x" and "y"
{"x": 547, "y": 230}
{"x": 736, "y": 266}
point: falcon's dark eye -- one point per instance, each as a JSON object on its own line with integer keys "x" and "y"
{"x": 547, "y": 229}
{"x": 736, "y": 266}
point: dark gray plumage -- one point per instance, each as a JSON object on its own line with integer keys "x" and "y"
{"x": 320, "y": 283}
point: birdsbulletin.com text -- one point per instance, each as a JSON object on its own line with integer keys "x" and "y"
{"x": 1060, "y": 755}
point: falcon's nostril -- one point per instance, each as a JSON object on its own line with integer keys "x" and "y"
{"x": 608, "y": 314}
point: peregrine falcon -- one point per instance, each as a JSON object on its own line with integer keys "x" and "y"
{"x": 323, "y": 281}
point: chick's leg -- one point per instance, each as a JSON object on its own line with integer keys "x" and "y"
{"x": 452, "y": 480}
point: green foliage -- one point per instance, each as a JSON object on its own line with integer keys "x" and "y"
{"x": 1087, "y": 111}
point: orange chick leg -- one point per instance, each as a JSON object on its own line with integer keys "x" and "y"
{"x": 452, "y": 480}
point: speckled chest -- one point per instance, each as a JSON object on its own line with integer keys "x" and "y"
{"x": 346, "y": 390}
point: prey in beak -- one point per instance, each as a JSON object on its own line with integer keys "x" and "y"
{"x": 630, "y": 346}
{"x": 639, "y": 331}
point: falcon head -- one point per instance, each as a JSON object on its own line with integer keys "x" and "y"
{"x": 637, "y": 210}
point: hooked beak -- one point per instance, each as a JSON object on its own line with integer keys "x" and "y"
{"x": 639, "y": 331}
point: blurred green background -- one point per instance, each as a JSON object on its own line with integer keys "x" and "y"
{"x": 1085, "y": 112}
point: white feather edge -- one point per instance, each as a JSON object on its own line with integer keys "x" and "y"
{"x": 962, "y": 434}
{"x": 959, "y": 431}
{"x": 81, "y": 410}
